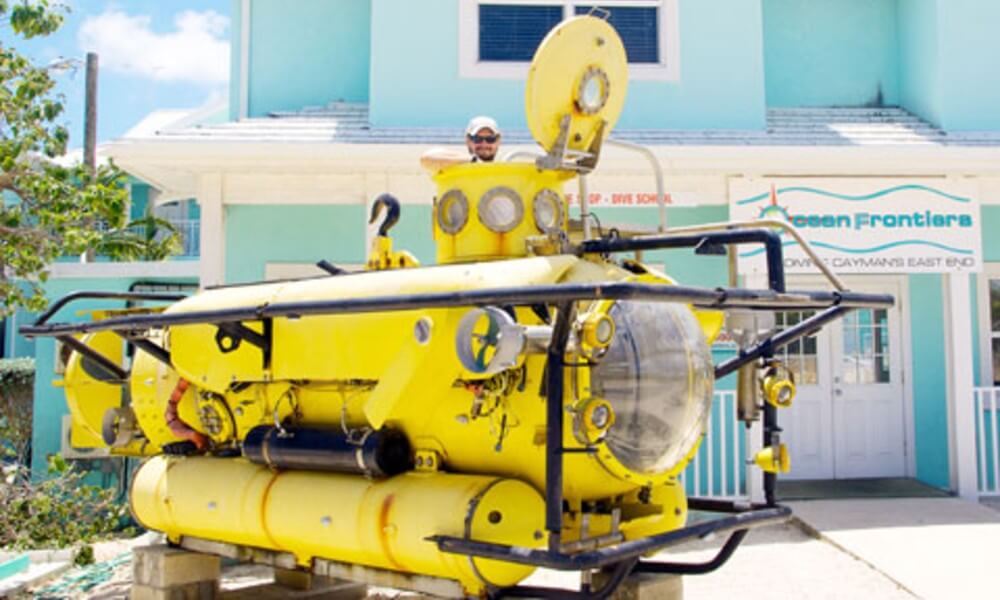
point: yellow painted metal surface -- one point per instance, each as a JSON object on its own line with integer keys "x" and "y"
{"x": 383, "y": 376}
{"x": 382, "y": 524}
{"x": 475, "y": 241}
{"x": 566, "y": 54}
{"x": 88, "y": 397}
{"x": 480, "y": 438}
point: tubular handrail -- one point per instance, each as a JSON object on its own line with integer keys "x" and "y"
{"x": 661, "y": 200}
{"x": 772, "y": 223}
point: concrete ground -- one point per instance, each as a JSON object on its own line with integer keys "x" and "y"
{"x": 901, "y": 548}
{"x": 780, "y": 561}
{"x": 936, "y": 548}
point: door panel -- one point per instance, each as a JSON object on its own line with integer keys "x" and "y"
{"x": 867, "y": 395}
{"x": 807, "y": 423}
{"x": 847, "y": 418}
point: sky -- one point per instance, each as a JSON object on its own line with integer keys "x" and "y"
{"x": 152, "y": 54}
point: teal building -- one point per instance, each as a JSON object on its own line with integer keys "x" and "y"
{"x": 824, "y": 111}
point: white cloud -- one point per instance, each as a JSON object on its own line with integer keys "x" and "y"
{"x": 197, "y": 51}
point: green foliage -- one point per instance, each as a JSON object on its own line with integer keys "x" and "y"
{"x": 17, "y": 377}
{"x": 148, "y": 238}
{"x": 58, "y": 512}
{"x": 55, "y": 209}
{"x": 63, "y": 510}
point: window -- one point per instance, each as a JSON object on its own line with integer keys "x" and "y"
{"x": 497, "y": 38}
{"x": 865, "y": 357}
{"x": 801, "y": 356}
{"x": 638, "y": 26}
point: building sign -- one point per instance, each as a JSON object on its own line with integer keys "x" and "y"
{"x": 865, "y": 225}
{"x": 632, "y": 198}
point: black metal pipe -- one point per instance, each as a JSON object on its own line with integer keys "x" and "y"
{"x": 618, "y": 574}
{"x": 554, "y": 424}
{"x": 521, "y": 296}
{"x": 151, "y": 348}
{"x": 600, "y": 557}
{"x": 782, "y": 338}
{"x": 330, "y": 268}
{"x": 380, "y": 453}
{"x": 718, "y": 505}
{"x": 770, "y": 239}
{"x": 674, "y": 568}
{"x": 103, "y": 362}
{"x": 96, "y": 295}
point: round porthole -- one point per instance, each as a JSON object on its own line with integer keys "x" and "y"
{"x": 501, "y": 209}
{"x": 592, "y": 93}
{"x": 547, "y": 210}
{"x": 452, "y": 212}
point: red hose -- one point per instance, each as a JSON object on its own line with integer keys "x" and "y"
{"x": 177, "y": 425}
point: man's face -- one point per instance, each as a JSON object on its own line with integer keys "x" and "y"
{"x": 484, "y": 144}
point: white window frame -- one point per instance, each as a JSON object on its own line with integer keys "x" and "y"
{"x": 990, "y": 271}
{"x": 470, "y": 67}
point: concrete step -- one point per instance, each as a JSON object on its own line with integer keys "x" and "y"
{"x": 36, "y": 574}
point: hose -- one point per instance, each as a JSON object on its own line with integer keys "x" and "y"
{"x": 177, "y": 425}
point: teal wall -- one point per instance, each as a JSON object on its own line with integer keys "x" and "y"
{"x": 821, "y": 53}
{"x": 721, "y": 72}
{"x": 50, "y": 402}
{"x": 682, "y": 265}
{"x": 737, "y": 56}
{"x": 16, "y": 346}
{"x": 970, "y": 49}
{"x": 721, "y": 85}
{"x": 948, "y": 60}
{"x": 928, "y": 370}
{"x": 258, "y": 234}
{"x": 307, "y": 53}
{"x": 139, "y": 199}
{"x": 919, "y": 67}
{"x": 990, "y": 215}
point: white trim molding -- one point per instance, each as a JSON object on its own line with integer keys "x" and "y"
{"x": 213, "y": 230}
{"x": 98, "y": 270}
{"x": 961, "y": 415}
{"x": 470, "y": 67}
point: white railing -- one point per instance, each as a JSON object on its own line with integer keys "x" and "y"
{"x": 987, "y": 403}
{"x": 190, "y": 230}
{"x": 719, "y": 469}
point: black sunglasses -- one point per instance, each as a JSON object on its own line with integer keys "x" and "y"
{"x": 489, "y": 139}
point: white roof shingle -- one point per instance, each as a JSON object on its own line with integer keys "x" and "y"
{"x": 349, "y": 124}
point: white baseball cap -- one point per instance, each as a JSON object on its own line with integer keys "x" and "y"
{"x": 481, "y": 122}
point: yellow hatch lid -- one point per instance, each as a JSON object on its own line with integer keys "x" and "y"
{"x": 581, "y": 70}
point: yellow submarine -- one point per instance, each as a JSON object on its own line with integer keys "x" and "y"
{"x": 527, "y": 402}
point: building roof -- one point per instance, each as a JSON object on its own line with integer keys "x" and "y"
{"x": 349, "y": 124}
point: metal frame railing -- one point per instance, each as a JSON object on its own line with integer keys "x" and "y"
{"x": 719, "y": 469}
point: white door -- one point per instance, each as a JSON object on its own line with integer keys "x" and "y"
{"x": 806, "y": 424}
{"x": 847, "y": 419}
{"x": 868, "y": 396}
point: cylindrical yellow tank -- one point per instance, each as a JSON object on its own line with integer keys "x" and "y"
{"x": 330, "y": 369}
{"x": 382, "y": 524}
